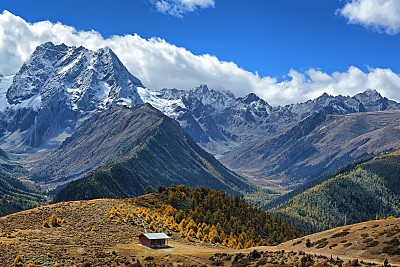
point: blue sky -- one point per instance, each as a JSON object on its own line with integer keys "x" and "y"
{"x": 265, "y": 37}
{"x": 270, "y": 37}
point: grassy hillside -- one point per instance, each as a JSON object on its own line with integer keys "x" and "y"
{"x": 373, "y": 241}
{"x": 166, "y": 156}
{"x": 366, "y": 191}
{"x": 15, "y": 196}
{"x": 103, "y": 232}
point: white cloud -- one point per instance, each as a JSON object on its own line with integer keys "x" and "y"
{"x": 160, "y": 64}
{"x": 180, "y": 7}
{"x": 380, "y": 15}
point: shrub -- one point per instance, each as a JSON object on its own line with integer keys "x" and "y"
{"x": 321, "y": 243}
{"x": 393, "y": 247}
{"x": 347, "y": 245}
{"x": 255, "y": 254}
{"x": 373, "y": 243}
{"x": 332, "y": 246}
{"x": 262, "y": 261}
{"x": 340, "y": 234}
{"x": 18, "y": 261}
{"x": 54, "y": 221}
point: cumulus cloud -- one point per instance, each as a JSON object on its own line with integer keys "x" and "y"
{"x": 380, "y": 15}
{"x": 180, "y": 7}
{"x": 160, "y": 64}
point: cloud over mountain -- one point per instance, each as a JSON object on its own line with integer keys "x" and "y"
{"x": 380, "y": 15}
{"x": 159, "y": 64}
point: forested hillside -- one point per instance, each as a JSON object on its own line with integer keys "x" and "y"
{"x": 214, "y": 216}
{"x": 364, "y": 192}
{"x": 15, "y": 196}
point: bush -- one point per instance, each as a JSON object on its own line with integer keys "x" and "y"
{"x": 393, "y": 247}
{"x": 347, "y": 245}
{"x": 340, "y": 234}
{"x": 53, "y": 221}
{"x": 373, "y": 243}
{"x": 262, "y": 261}
{"x": 18, "y": 261}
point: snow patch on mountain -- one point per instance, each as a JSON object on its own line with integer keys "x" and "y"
{"x": 5, "y": 82}
{"x": 170, "y": 106}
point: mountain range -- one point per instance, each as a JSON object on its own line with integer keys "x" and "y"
{"x": 57, "y": 113}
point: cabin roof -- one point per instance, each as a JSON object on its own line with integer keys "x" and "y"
{"x": 153, "y": 236}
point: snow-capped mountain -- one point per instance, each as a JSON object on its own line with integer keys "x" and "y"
{"x": 87, "y": 80}
{"x": 219, "y": 121}
{"x": 58, "y": 85}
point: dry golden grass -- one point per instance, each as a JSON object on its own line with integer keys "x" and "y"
{"x": 104, "y": 232}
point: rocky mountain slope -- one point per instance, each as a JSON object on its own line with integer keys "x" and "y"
{"x": 127, "y": 150}
{"x": 315, "y": 146}
{"x": 282, "y": 147}
{"x": 356, "y": 194}
{"x": 219, "y": 121}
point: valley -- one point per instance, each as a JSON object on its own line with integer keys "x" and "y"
{"x": 89, "y": 155}
{"x": 102, "y": 232}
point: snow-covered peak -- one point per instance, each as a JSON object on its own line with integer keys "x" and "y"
{"x": 215, "y": 99}
{"x": 171, "y": 93}
{"x": 89, "y": 80}
{"x": 369, "y": 95}
{"x": 254, "y": 103}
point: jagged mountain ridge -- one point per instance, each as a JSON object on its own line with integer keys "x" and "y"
{"x": 226, "y": 122}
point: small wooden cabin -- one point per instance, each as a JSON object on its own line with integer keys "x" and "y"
{"x": 154, "y": 240}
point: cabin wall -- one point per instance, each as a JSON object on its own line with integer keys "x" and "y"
{"x": 144, "y": 241}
